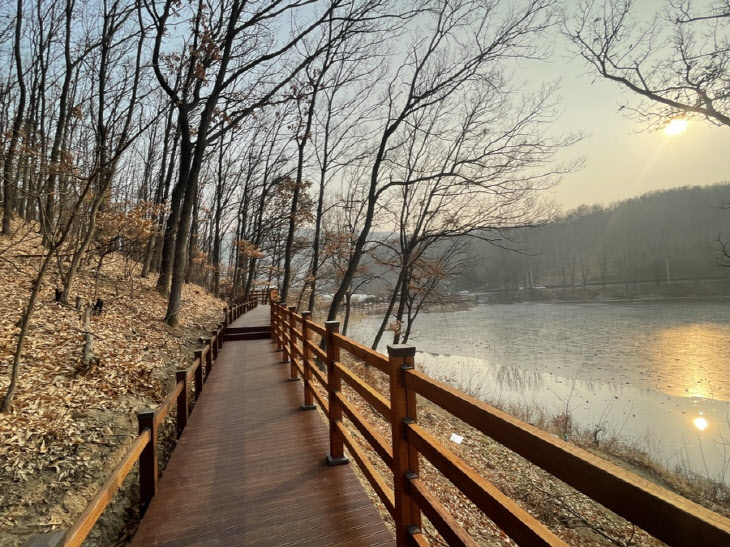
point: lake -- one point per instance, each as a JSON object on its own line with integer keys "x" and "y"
{"x": 654, "y": 372}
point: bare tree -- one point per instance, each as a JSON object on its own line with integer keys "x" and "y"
{"x": 223, "y": 74}
{"x": 465, "y": 43}
{"x": 9, "y": 175}
{"x": 678, "y": 62}
{"x": 344, "y": 40}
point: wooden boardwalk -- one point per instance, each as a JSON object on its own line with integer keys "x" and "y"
{"x": 249, "y": 468}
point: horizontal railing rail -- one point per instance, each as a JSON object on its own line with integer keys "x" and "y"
{"x": 144, "y": 447}
{"x": 665, "y": 515}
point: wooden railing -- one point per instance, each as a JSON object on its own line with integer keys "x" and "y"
{"x": 663, "y": 514}
{"x": 262, "y": 296}
{"x": 144, "y": 447}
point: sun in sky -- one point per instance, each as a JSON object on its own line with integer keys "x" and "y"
{"x": 676, "y": 126}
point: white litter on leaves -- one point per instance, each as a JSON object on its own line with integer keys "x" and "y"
{"x": 456, "y": 438}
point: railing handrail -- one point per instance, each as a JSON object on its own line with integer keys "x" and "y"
{"x": 660, "y": 512}
{"x": 149, "y": 420}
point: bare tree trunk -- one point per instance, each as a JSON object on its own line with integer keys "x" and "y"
{"x": 168, "y": 240}
{"x": 317, "y": 236}
{"x": 292, "y": 227}
{"x": 88, "y": 354}
{"x": 188, "y": 181}
{"x": 10, "y": 178}
{"x": 24, "y": 326}
{"x": 79, "y": 254}
{"x": 348, "y": 306}
{"x": 28, "y": 311}
{"x": 193, "y": 243}
{"x": 388, "y": 311}
{"x": 403, "y": 300}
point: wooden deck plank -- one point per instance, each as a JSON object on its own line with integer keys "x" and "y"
{"x": 249, "y": 468}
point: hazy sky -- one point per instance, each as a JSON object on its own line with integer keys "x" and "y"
{"x": 622, "y": 158}
{"x": 625, "y": 160}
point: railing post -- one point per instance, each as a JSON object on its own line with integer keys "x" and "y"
{"x": 199, "y": 374}
{"x": 336, "y": 454}
{"x": 272, "y": 313}
{"x": 283, "y": 333}
{"x": 306, "y": 357}
{"x": 279, "y": 327}
{"x": 405, "y": 457}
{"x": 292, "y": 345}
{"x": 225, "y": 317}
{"x": 221, "y": 335}
{"x": 214, "y": 346}
{"x": 147, "y": 460}
{"x": 182, "y": 401}
{"x": 208, "y": 357}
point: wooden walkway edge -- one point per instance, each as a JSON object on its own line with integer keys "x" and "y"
{"x": 249, "y": 468}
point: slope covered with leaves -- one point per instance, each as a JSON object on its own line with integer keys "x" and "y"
{"x": 69, "y": 424}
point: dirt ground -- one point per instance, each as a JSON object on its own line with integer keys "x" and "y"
{"x": 70, "y": 425}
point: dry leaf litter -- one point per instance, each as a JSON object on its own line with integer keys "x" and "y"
{"x": 69, "y": 426}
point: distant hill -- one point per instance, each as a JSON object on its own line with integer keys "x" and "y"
{"x": 670, "y": 234}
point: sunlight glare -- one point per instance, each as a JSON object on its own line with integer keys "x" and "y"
{"x": 700, "y": 423}
{"x": 676, "y": 127}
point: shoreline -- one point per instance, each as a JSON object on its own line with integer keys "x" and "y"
{"x": 606, "y": 300}
{"x": 712, "y": 289}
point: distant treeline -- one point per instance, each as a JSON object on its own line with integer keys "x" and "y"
{"x": 659, "y": 236}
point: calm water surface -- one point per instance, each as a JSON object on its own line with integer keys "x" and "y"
{"x": 652, "y": 372}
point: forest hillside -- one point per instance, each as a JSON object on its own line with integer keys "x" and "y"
{"x": 70, "y": 421}
{"x": 659, "y": 238}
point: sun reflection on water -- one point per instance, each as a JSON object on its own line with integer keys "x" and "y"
{"x": 700, "y": 423}
{"x": 685, "y": 359}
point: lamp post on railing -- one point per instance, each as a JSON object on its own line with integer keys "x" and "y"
{"x": 405, "y": 456}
